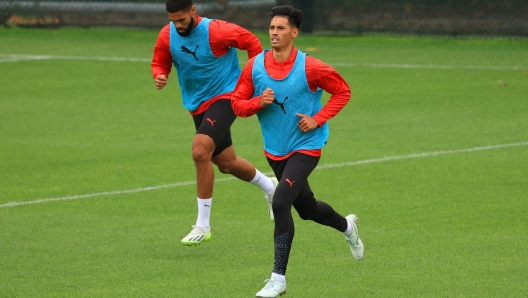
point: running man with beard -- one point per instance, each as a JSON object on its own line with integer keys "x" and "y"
{"x": 283, "y": 86}
{"x": 203, "y": 51}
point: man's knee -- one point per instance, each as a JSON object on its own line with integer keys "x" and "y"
{"x": 225, "y": 164}
{"x": 283, "y": 198}
{"x": 202, "y": 148}
{"x": 226, "y": 161}
{"x": 225, "y": 167}
{"x": 305, "y": 213}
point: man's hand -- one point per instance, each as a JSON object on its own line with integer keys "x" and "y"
{"x": 267, "y": 98}
{"x": 161, "y": 81}
{"x": 307, "y": 123}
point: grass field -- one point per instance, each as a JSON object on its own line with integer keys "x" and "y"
{"x": 96, "y": 179}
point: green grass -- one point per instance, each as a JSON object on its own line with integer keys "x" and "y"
{"x": 446, "y": 225}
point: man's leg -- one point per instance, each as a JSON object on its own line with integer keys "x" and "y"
{"x": 224, "y": 155}
{"x": 229, "y": 163}
{"x": 212, "y": 126}
{"x": 322, "y": 213}
{"x": 212, "y": 143}
{"x": 293, "y": 174}
{"x": 202, "y": 151}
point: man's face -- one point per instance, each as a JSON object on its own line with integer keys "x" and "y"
{"x": 183, "y": 21}
{"x": 281, "y": 32}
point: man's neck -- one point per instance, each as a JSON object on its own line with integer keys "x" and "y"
{"x": 281, "y": 55}
{"x": 196, "y": 20}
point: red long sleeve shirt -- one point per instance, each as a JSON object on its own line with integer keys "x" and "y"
{"x": 318, "y": 74}
{"x": 222, "y": 36}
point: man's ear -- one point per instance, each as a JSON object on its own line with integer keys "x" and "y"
{"x": 295, "y": 32}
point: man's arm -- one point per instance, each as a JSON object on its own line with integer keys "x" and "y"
{"x": 224, "y": 35}
{"x": 242, "y": 100}
{"x": 327, "y": 78}
{"x": 162, "y": 61}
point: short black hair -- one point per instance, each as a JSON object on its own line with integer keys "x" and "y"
{"x": 293, "y": 14}
{"x": 178, "y": 5}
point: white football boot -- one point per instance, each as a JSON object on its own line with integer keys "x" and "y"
{"x": 197, "y": 236}
{"x": 269, "y": 198}
{"x": 356, "y": 246}
{"x": 273, "y": 288}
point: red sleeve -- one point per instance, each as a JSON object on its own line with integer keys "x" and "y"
{"x": 223, "y": 35}
{"x": 242, "y": 100}
{"x": 327, "y": 78}
{"x": 162, "y": 61}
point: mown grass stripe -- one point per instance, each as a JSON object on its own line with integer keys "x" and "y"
{"x": 328, "y": 166}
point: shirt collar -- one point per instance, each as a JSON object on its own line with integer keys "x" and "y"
{"x": 288, "y": 61}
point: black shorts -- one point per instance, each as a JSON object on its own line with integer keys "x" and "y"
{"x": 216, "y": 122}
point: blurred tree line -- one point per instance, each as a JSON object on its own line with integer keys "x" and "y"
{"x": 451, "y": 17}
{"x": 356, "y": 3}
{"x": 453, "y": 3}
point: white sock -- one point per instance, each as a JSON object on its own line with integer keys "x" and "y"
{"x": 281, "y": 278}
{"x": 263, "y": 182}
{"x": 204, "y": 212}
{"x": 349, "y": 229}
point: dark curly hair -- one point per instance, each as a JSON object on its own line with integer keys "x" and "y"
{"x": 178, "y": 5}
{"x": 293, "y": 14}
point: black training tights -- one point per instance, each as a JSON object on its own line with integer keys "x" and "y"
{"x": 294, "y": 190}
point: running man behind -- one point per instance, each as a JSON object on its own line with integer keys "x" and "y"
{"x": 203, "y": 51}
